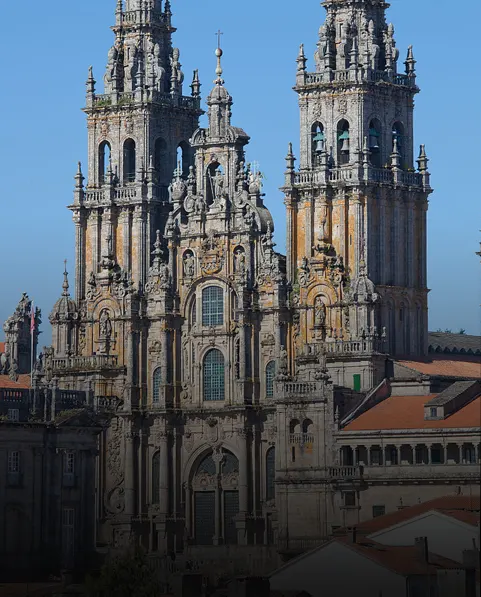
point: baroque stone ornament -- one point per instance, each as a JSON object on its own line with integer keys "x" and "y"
{"x": 212, "y": 259}
{"x": 159, "y": 278}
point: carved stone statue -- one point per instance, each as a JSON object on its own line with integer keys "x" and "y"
{"x": 240, "y": 266}
{"x": 319, "y": 312}
{"x": 189, "y": 265}
{"x": 105, "y": 325}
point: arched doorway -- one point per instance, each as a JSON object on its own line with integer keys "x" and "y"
{"x": 215, "y": 499}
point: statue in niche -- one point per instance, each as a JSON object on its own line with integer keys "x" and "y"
{"x": 105, "y": 325}
{"x": 218, "y": 186}
{"x": 319, "y": 312}
{"x": 240, "y": 262}
{"x": 189, "y": 265}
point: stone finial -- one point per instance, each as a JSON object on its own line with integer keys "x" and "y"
{"x": 290, "y": 159}
{"x": 423, "y": 159}
{"x": 79, "y": 177}
{"x": 410, "y": 62}
{"x": 395, "y": 155}
{"x": 301, "y": 60}
{"x": 91, "y": 82}
{"x": 218, "y": 71}
{"x": 196, "y": 85}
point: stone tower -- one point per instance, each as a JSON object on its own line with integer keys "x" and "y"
{"x": 356, "y": 208}
{"x": 137, "y": 130}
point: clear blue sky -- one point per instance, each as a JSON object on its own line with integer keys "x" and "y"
{"x": 46, "y": 49}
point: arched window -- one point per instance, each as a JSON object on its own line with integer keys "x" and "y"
{"x": 214, "y": 376}
{"x": 398, "y": 137}
{"x": 156, "y": 478}
{"x": 343, "y": 143}
{"x": 270, "y": 377}
{"x": 212, "y": 306}
{"x": 307, "y": 425}
{"x": 183, "y": 157}
{"x": 271, "y": 474}
{"x": 157, "y": 381}
{"x": 295, "y": 426}
{"x": 375, "y": 143}
{"x": 104, "y": 160}
{"x": 318, "y": 142}
{"x": 129, "y": 160}
{"x": 161, "y": 162}
{"x": 193, "y": 311}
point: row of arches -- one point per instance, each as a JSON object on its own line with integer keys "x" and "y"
{"x": 213, "y": 501}
{"x": 343, "y": 142}
{"x": 161, "y": 157}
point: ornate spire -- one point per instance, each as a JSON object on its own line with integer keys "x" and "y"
{"x": 410, "y": 62}
{"x": 195, "y": 86}
{"x": 65, "y": 285}
{"x": 219, "y": 101}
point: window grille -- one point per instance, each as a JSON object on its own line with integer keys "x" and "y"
{"x": 14, "y": 462}
{"x": 13, "y": 414}
{"x": 214, "y": 376}
{"x": 156, "y": 385}
{"x": 212, "y": 306}
{"x": 271, "y": 474}
{"x": 270, "y": 376}
{"x": 69, "y": 463}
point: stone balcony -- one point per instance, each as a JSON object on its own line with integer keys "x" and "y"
{"x": 85, "y": 364}
{"x": 309, "y": 390}
{"x": 357, "y": 76}
{"x": 356, "y": 174}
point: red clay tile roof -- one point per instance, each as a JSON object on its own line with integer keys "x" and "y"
{"x": 462, "y": 507}
{"x": 407, "y": 412}
{"x": 2, "y": 347}
{"x": 447, "y": 367}
{"x": 406, "y": 561}
{"x": 23, "y": 382}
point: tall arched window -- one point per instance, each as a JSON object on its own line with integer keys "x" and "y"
{"x": 156, "y": 478}
{"x": 343, "y": 143}
{"x": 271, "y": 474}
{"x": 398, "y": 136}
{"x": 270, "y": 377}
{"x": 104, "y": 160}
{"x": 161, "y": 162}
{"x": 214, "y": 376}
{"x": 129, "y": 160}
{"x": 318, "y": 142}
{"x": 157, "y": 382}
{"x": 212, "y": 306}
{"x": 375, "y": 143}
{"x": 183, "y": 157}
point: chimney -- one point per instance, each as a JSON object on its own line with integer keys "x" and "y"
{"x": 421, "y": 543}
{"x": 192, "y": 585}
{"x": 250, "y": 587}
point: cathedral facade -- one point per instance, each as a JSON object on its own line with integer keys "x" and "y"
{"x": 231, "y": 365}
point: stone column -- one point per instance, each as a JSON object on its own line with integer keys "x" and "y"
{"x": 188, "y": 510}
{"x": 137, "y": 257}
{"x": 79, "y": 257}
{"x": 164, "y": 472}
{"x": 93, "y": 225}
{"x": 243, "y": 472}
{"x": 382, "y": 240}
{"x": 218, "y": 457}
{"x": 129, "y": 473}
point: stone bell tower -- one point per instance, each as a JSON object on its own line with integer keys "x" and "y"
{"x": 137, "y": 131}
{"x": 356, "y": 208}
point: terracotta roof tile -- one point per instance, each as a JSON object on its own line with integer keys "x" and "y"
{"x": 462, "y": 507}
{"x": 404, "y": 560}
{"x": 407, "y": 412}
{"x": 447, "y": 367}
{"x": 24, "y": 382}
{"x": 2, "y": 347}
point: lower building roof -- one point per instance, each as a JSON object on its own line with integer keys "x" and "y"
{"x": 407, "y": 412}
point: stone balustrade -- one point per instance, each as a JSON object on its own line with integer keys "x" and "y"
{"x": 359, "y": 76}
{"x": 346, "y": 472}
{"x": 357, "y": 173}
{"x": 147, "y": 95}
{"x": 301, "y": 388}
{"x": 301, "y": 438}
{"x": 90, "y": 363}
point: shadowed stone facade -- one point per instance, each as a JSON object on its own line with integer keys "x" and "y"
{"x": 234, "y": 367}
